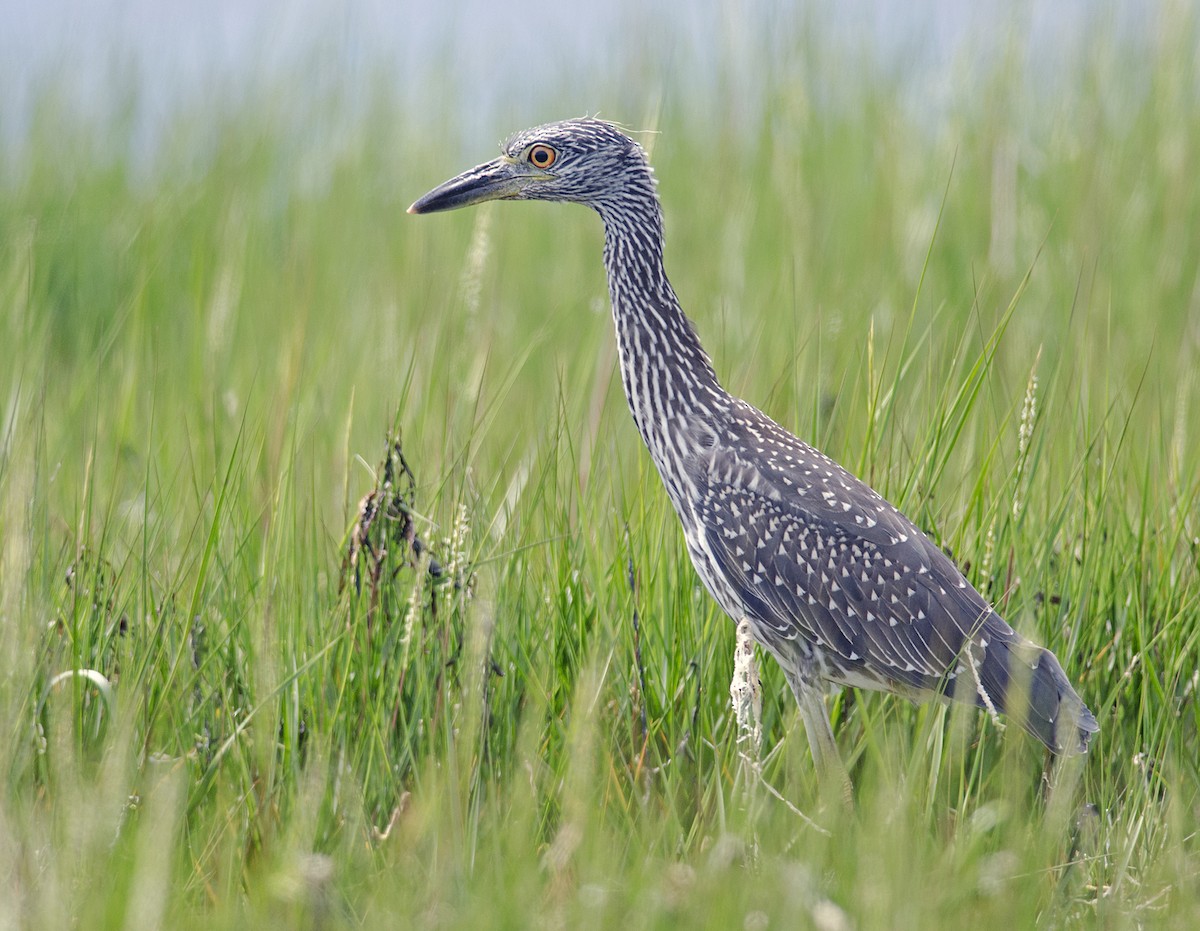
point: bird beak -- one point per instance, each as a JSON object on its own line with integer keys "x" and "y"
{"x": 500, "y": 179}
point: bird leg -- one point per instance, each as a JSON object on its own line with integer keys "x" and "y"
{"x": 830, "y": 769}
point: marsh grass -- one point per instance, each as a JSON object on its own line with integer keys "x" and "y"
{"x": 202, "y": 361}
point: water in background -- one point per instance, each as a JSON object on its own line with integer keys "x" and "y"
{"x": 500, "y": 65}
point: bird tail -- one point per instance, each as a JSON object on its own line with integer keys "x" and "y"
{"x": 1026, "y": 682}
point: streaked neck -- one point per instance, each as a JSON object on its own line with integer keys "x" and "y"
{"x": 664, "y": 369}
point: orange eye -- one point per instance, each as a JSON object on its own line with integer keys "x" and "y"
{"x": 542, "y": 156}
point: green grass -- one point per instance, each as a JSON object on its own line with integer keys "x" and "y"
{"x": 202, "y": 360}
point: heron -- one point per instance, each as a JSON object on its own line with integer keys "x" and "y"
{"x": 835, "y": 583}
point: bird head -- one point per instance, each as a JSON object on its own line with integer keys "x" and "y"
{"x": 586, "y": 161}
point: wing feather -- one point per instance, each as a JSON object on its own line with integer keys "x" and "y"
{"x": 816, "y": 556}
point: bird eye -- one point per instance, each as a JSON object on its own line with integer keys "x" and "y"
{"x": 542, "y": 156}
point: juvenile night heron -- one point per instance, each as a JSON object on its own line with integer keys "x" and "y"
{"x": 839, "y": 586}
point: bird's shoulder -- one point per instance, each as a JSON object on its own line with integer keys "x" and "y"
{"x": 745, "y": 453}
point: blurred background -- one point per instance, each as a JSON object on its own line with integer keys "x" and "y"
{"x": 501, "y": 64}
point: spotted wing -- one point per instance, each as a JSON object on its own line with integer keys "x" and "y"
{"x": 818, "y": 557}
{"x": 869, "y": 604}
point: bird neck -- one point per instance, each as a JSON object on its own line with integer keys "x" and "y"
{"x": 664, "y": 369}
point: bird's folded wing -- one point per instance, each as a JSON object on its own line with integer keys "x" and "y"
{"x": 817, "y": 554}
